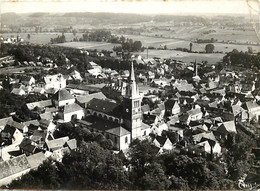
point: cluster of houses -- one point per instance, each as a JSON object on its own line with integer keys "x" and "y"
{"x": 11, "y": 40}
{"x": 196, "y": 117}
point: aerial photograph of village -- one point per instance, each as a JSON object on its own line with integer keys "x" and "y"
{"x": 130, "y": 95}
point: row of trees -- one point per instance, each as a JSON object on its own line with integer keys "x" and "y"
{"x": 59, "y": 39}
{"x": 242, "y": 59}
{"x": 106, "y": 36}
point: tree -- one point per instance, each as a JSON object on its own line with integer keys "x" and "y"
{"x": 137, "y": 46}
{"x": 209, "y": 48}
{"x": 154, "y": 178}
{"x": 191, "y": 47}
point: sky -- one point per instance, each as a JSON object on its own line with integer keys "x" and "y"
{"x": 132, "y": 6}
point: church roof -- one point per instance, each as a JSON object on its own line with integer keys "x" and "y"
{"x": 118, "y": 131}
{"x": 100, "y": 123}
{"x": 105, "y": 106}
{"x": 89, "y": 97}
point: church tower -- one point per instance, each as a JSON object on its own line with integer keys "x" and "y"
{"x": 132, "y": 114}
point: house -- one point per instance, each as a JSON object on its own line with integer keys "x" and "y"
{"x": 13, "y": 168}
{"x": 11, "y": 135}
{"x": 38, "y": 90}
{"x": 36, "y": 160}
{"x": 160, "y": 111}
{"x": 209, "y": 136}
{"x": 145, "y": 109}
{"x": 56, "y": 81}
{"x": 27, "y": 147}
{"x": 75, "y": 75}
{"x": 120, "y": 137}
{"x": 252, "y": 108}
{"x": 47, "y": 116}
{"x": 59, "y": 153}
{"x": 150, "y": 119}
{"x": 205, "y": 146}
{"x": 163, "y": 143}
{"x": 71, "y": 144}
{"x": 225, "y": 128}
{"x": 195, "y": 114}
{"x": 17, "y": 91}
{"x": 95, "y": 72}
{"x": 48, "y": 125}
{"x": 172, "y": 107}
{"x": 39, "y": 104}
{"x": 28, "y": 80}
{"x": 215, "y": 148}
{"x": 145, "y": 130}
{"x": 56, "y": 143}
{"x": 72, "y": 111}
{"x": 172, "y": 120}
{"x": 151, "y": 97}
{"x": 20, "y": 126}
{"x": 62, "y": 98}
{"x": 159, "y": 83}
{"x": 93, "y": 65}
{"x": 150, "y": 75}
{"x": 159, "y": 128}
{"x": 4, "y": 121}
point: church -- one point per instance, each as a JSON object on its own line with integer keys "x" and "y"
{"x": 119, "y": 122}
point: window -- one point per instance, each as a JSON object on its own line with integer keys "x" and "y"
{"x": 126, "y": 139}
{"x": 115, "y": 140}
{"x": 136, "y": 103}
{"x": 144, "y": 133}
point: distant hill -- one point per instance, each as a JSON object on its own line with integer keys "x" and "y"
{"x": 70, "y": 19}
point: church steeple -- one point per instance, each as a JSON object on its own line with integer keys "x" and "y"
{"x": 132, "y": 114}
{"x": 132, "y": 89}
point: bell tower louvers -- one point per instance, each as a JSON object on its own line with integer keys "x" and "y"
{"x": 132, "y": 115}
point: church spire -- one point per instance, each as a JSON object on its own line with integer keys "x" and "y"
{"x": 132, "y": 74}
{"x": 132, "y": 89}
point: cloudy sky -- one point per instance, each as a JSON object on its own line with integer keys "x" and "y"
{"x": 132, "y": 6}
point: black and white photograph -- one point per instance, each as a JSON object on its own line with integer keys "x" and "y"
{"x": 130, "y": 94}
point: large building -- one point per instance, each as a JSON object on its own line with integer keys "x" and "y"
{"x": 120, "y": 122}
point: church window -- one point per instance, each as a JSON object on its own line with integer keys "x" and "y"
{"x": 136, "y": 103}
{"x": 115, "y": 140}
{"x": 126, "y": 139}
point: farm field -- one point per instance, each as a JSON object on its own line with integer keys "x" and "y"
{"x": 183, "y": 56}
{"x": 159, "y": 42}
{"x": 41, "y": 38}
